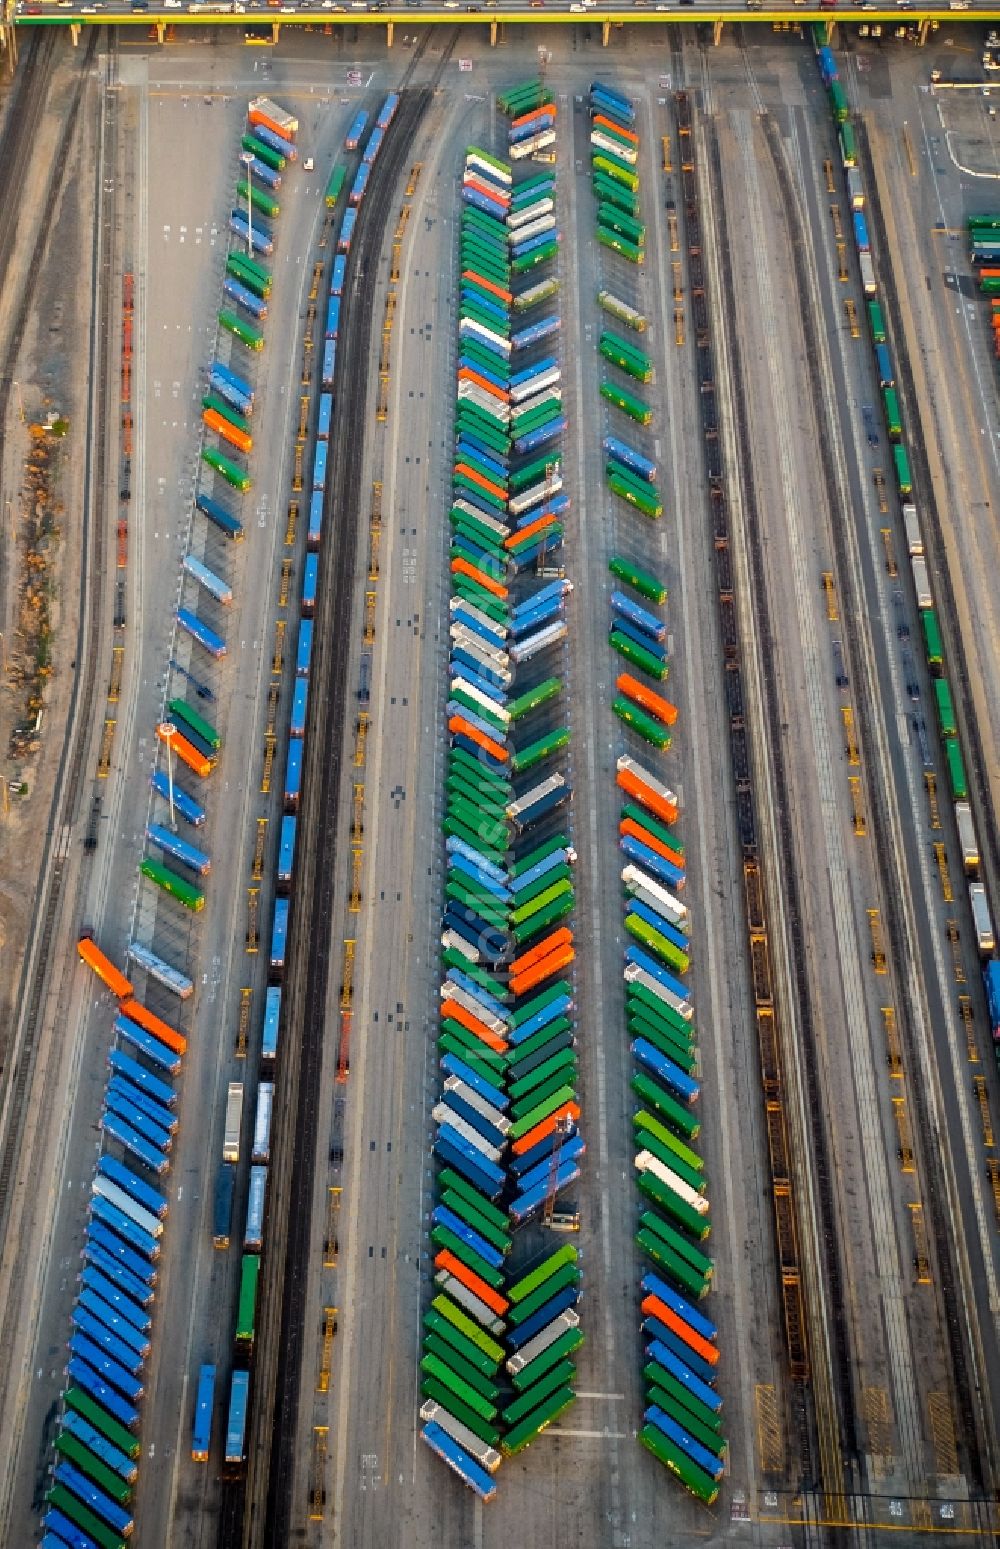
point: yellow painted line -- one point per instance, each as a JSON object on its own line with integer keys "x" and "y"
{"x": 539, "y": 17}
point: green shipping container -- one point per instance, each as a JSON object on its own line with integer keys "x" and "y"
{"x": 637, "y": 655}
{"x": 932, "y": 638}
{"x": 945, "y": 708}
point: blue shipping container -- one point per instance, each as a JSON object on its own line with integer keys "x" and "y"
{"x": 286, "y": 851}
{"x": 300, "y": 703}
{"x": 272, "y": 1018}
{"x": 279, "y": 933}
{"x": 319, "y": 465}
{"x": 171, "y": 844}
{"x": 329, "y": 362}
{"x": 293, "y": 776}
{"x": 185, "y": 804}
{"x": 207, "y": 638}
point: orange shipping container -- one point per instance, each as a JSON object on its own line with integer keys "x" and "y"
{"x": 524, "y": 533}
{"x": 258, "y": 116}
{"x": 489, "y": 190}
{"x": 539, "y": 972}
{"x": 462, "y": 567}
{"x": 461, "y": 727}
{"x": 634, "y": 830}
{"x": 459, "y": 1013}
{"x": 653, "y": 702}
{"x": 480, "y": 478}
{"x": 186, "y": 752}
{"x": 231, "y": 433}
{"x": 535, "y": 954}
{"x": 104, "y": 968}
{"x": 652, "y": 1307}
{"x": 623, "y": 134}
{"x": 466, "y": 374}
{"x": 547, "y": 108}
{"x": 454, "y": 1266}
{"x": 535, "y": 1136}
{"x": 661, "y": 808}
{"x": 497, "y": 290}
{"x": 153, "y": 1024}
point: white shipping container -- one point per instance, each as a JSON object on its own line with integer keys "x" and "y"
{"x": 604, "y": 142}
{"x": 451, "y": 991}
{"x": 914, "y": 542}
{"x": 985, "y": 939}
{"x": 526, "y": 649}
{"x": 636, "y": 975}
{"x": 921, "y": 584}
{"x": 469, "y": 1301}
{"x": 967, "y": 837}
{"x": 262, "y": 1123}
{"x": 867, "y": 274}
{"x": 537, "y": 384}
{"x": 442, "y": 1114}
{"x": 234, "y": 1116}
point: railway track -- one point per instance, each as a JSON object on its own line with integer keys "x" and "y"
{"x": 934, "y": 1184}
{"x": 260, "y": 1510}
{"x": 807, "y": 1046}
{"x": 69, "y": 778}
{"x": 852, "y": 605}
{"x": 69, "y": 781}
{"x": 987, "y": 828}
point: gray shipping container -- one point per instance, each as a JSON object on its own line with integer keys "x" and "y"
{"x": 855, "y": 188}
{"x": 867, "y": 274}
{"x": 234, "y": 1117}
{"x": 967, "y": 837}
{"x": 921, "y": 584}
{"x": 981, "y": 918}
{"x": 914, "y": 542}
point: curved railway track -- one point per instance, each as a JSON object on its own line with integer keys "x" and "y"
{"x": 260, "y": 1509}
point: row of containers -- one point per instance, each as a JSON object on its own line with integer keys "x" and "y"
{"x": 614, "y": 154}
{"x": 253, "y": 1234}
{"x": 190, "y": 739}
{"x": 682, "y": 1425}
{"x": 96, "y": 1447}
{"x": 984, "y": 245}
{"x": 497, "y": 1364}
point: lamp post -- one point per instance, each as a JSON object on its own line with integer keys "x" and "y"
{"x": 167, "y": 730}
{"x": 246, "y": 157}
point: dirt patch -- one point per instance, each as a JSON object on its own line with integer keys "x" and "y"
{"x": 42, "y": 498}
